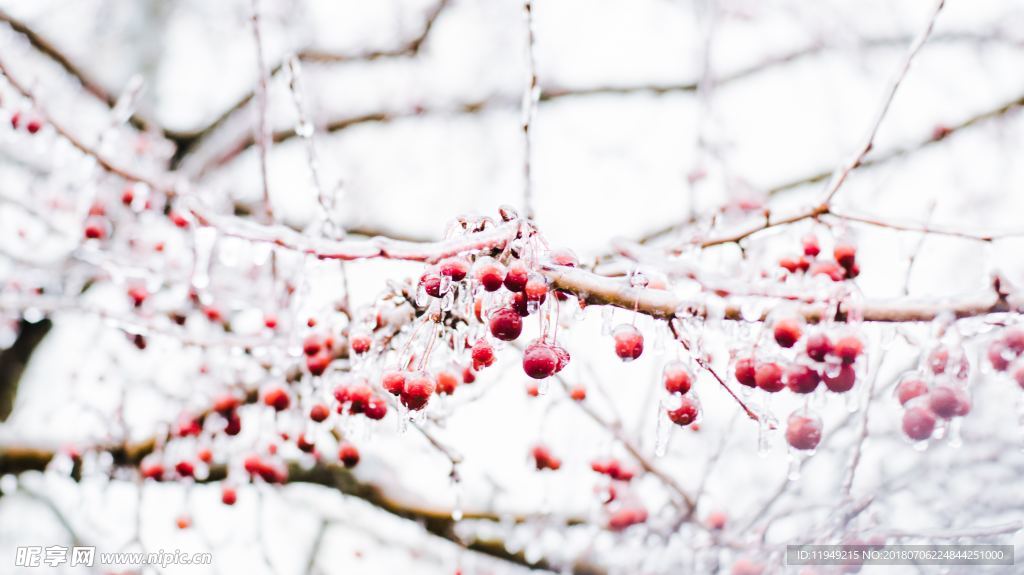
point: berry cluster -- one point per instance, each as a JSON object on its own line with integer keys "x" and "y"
{"x": 843, "y": 266}
{"x": 935, "y": 392}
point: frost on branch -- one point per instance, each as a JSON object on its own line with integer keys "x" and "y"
{"x": 306, "y": 290}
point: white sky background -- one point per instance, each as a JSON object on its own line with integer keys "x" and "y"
{"x": 605, "y": 166}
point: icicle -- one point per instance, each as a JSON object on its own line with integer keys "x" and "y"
{"x": 607, "y": 313}
{"x": 795, "y": 463}
{"x": 663, "y": 431}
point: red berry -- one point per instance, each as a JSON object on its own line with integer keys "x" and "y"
{"x": 506, "y": 324}
{"x": 818, "y": 346}
{"x": 127, "y": 196}
{"x": 539, "y": 361}
{"x": 205, "y": 455}
{"x": 319, "y": 412}
{"x": 138, "y": 294}
{"x": 393, "y": 382}
{"x": 418, "y": 389}
{"x": 910, "y": 388}
{"x": 841, "y": 382}
{"x": 483, "y": 354}
{"x": 803, "y": 432}
{"x": 431, "y": 284}
{"x": 228, "y": 495}
{"x": 375, "y": 408}
{"x": 848, "y": 348}
{"x": 948, "y": 402}
{"x": 834, "y": 271}
{"x": 517, "y": 276}
{"x": 277, "y": 398}
{"x": 455, "y": 268}
{"x": 183, "y": 522}
{"x": 787, "y": 332}
{"x": 845, "y": 254}
{"x": 746, "y": 371}
{"x": 360, "y": 343}
{"x": 447, "y": 381}
{"x": 629, "y": 342}
{"x": 626, "y": 517}
{"x": 317, "y": 364}
{"x": 234, "y": 424}
{"x": 678, "y": 378}
{"x": 304, "y": 444}
{"x": 154, "y": 471}
{"x": 578, "y": 393}
{"x": 811, "y": 246}
{"x": 226, "y": 403}
{"x": 490, "y": 274}
{"x": 543, "y": 458}
{"x": 468, "y": 375}
{"x": 536, "y": 289}
{"x": 531, "y": 389}
{"x": 802, "y": 379}
{"x": 348, "y": 454}
{"x": 33, "y": 125}
{"x": 185, "y": 468}
{"x": 790, "y": 264}
{"x": 769, "y": 377}
{"x": 270, "y": 320}
{"x": 686, "y": 413}
{"x": 1014, "y": 340}
{"x": 95, "y": 230}
{"x": 716, "y": 520}
{"x": 179, "y": 220}
{"x": 918, "y": 423}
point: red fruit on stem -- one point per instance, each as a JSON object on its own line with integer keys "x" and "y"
{"x": 842, "y": 381}
{"x": 483, "y": 354}
{"x": 543, "y": 458}
{"x": 578, "y": 393}
{"x": 185, "y": 468}
{"x": 536, "y": 289}
{"x": 803, "y": 432}
{"x": 1014, "y": 340}
{"x": 949, "y": 402}
{"x": 418, "y": 389}
{"x": 348, "y": 454}
{"x": 228, "y": 495}
{"x": 910, "y": 388}
{"x": 845, "y": 254}
{"x": 517, "y": 276}
{"x": 317, "y": 364}
{"x": 716, "y": 520}
{"x": 431, "y": 284}
{"x": 375, "y": 408}
{"x": 393, "y": 382}
{"x": 95, "y": 230}
{"x": 802, "y": 379}
{"x": 629, "y": 342}
{"x": 1018, "y": 376}
{"x": 818, "y": 346}
{"x": 226, "y": 403}
{"x": 154, "y": 471}
{"x": 746, "y": 371}
{"x": 563, "y": 356}
{"x": 455, "y": 268}
{"x": 918, "y": 423}
{"x": 848, "y": 348}
{"x": 811, "y": 245}
{"x": 539, "y": 361}
{"x": 270, "y": 320}
{"x": 312, "y": 345}
{"x": 138, "y": 294}
{"x": 769, "y": 377}
{"x": 490, "y": 274}
{"x": 447, "y": 381}
{"x": 626, "y": 517}
{"x": 832, "y": 270}
{"x": 938, "y": 360}
{"x": 677, "y": 377}
{"x": 506, "y": 324}
{"x": 686, "y": 413}
{"x": 787, "y": 332}
{"x": 305, "y": 444}
{"x": 319, "y": 412}
{"x": 997, "y": 355}
{"x": 360, "y": 343}
{"x": 277, "y": 397}
{"x": 468, "y": 375}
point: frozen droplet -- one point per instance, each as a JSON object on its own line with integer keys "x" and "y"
{"x": 662, "y": 432}
{"x": 795, "y": 461}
